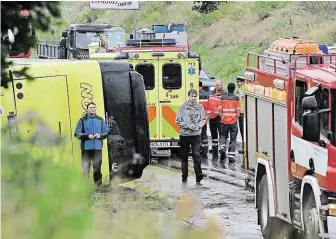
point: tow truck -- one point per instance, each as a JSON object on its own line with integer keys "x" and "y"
{"x": 290, "y": 95}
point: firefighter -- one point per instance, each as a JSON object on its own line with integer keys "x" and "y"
{"x": 191, "y": 118}
{"x": 231, "y": 111}
{"x": 91, "y": 130}
{"x": 215, "y": 119}
{"x": 203, "y": 96}
{"x": 240, "y": 90}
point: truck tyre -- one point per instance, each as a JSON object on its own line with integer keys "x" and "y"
{"x": 310, "y": 218}
{"x": 271, "y": 227}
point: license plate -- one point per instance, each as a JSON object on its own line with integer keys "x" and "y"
{"x": 160, "y": 144}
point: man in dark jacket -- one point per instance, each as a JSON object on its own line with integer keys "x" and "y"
{"x": 215, "y": 120}
{"x": 91, "y": 130}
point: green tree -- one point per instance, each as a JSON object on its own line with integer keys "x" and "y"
{"x": 205, "y": 7}
{"x": 16, "y": 28}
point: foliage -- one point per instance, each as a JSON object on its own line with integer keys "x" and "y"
{"x": 264, "y": 9}
{"x": 318, "y": 7}
{"x": 91, "y": 16}
{"x": 225, "y": 64}
{"x": 16, "y": 28}
{"x": 205, "y": 7}
{"x": 41, "y": 199}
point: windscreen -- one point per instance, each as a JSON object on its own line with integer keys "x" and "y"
{"x": 83, "y": 39}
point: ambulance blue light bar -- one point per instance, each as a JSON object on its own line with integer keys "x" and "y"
{"x": 150, "y": 42}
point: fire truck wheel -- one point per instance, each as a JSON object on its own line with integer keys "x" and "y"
{"x": 310, "y": 218}
{"x": 270, "y": 226}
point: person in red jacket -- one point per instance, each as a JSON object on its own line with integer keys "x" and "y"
{"x": 230, "y": 113}
{"x": 214, "y": 122}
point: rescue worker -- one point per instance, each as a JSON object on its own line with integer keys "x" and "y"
{"x": 203, "y": 96}
{"x": 91, "y": 130}
{"x": 215, "y": 118}
{"x": 241, "y": 85}
{"x": 231, "y": 111}
{"x": 191, "y": 118}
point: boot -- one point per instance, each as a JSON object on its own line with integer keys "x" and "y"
{"x": 215, "y": 153}
{"x": 204, "y": 153}
{"x": 222, "y": 152}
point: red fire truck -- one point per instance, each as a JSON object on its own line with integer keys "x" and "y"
{"x": 290, "y": 95}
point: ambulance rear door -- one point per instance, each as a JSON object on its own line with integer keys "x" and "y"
{"x": 149, "y": 69}
{"x": 171, "y": 96}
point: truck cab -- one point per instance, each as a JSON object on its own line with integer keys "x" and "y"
{"x": 58, "y": 93}
{"x": 74, "y": 43}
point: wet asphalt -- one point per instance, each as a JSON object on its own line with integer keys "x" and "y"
{"x": 222, "y": 195}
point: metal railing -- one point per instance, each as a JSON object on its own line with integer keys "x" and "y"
{"x": 315, "y": 59}
{"x": 285, "y": 67}
{"x": 268, "y": 64}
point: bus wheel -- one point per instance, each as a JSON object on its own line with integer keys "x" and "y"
{"x": 270, "y": 226}
{"x": 311, "y": 218}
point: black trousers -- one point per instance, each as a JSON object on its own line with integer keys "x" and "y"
{"x": 94, "y": 156}
{"x": 185, "y": 143}
{"x": 241, "y": 125}
{"x": 204, "y": 138}
{"x": 215, "y": 130}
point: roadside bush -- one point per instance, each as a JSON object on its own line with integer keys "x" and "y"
{"x": 41, "y": 199}
{"x": 318, "y": 7}
{"x": 264, "y": 9}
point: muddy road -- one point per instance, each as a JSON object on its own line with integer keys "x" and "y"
{"x": 221, "y": 196}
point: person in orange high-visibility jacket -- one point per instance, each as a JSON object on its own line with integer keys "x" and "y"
{"x": 230, "y": 113}
{"x": 214, "y": 121}
{"x": 203, "y": 100}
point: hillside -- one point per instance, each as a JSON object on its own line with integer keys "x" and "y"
{"x": 222, "y": 37}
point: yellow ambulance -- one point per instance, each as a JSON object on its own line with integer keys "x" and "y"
{"x": 169, "y": 70}
{"x": 59, "y": 92}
